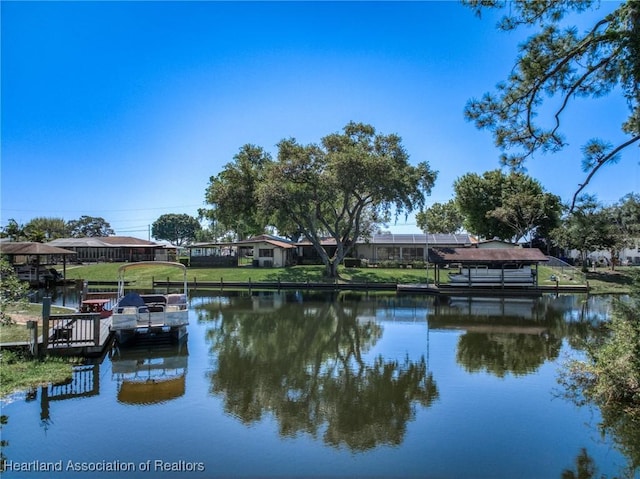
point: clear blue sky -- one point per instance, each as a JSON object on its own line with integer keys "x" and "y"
{"x": 124, "y": 110}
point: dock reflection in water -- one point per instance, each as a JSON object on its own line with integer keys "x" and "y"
{"x": 501, "y": 335}
{"x": 150, "y": 373}
{"x": 84, "y": 383}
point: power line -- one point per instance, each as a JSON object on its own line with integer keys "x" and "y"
{"x": 104, "y": 210}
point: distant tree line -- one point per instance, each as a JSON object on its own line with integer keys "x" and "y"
{"x": 43, "y": 229}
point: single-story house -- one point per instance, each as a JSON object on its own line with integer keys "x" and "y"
{"x": 269, "y": 250}
{"x": 400, "y": 248}
{"x": 629, "y": 256}
{"x": 405, "y": 248}
{"x": 115, "y": 249}
{"x": 212, "y": 255}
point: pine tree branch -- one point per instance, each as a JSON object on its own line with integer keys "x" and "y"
{"x": 601, "y": 162}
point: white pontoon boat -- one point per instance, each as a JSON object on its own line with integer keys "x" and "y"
{"x": 484, "y": 276}
{"x": 150, "y": 314}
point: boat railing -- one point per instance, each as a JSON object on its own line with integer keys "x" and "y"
{"x": 143, "y": 312}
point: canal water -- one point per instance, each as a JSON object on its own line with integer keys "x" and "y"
{"x": 301, "y": 384}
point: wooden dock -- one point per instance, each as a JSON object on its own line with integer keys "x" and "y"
{"x": 414, "y": 288}
{"x": 279, "y": 285}
{"x": 491, "y": 291}
{"x": 77, "y": 334}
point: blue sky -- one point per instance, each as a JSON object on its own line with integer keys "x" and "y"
{"x": 124, "y": 110}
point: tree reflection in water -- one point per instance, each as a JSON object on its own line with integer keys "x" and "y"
{"x": 304, "y": 364}
{"x": 500, "y": 354}
{"x": 512, "y": 336}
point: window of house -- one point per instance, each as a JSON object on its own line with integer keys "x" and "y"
{"x": 265, "y": 253}
{"x": 412, "y": 253}
{"x": 388, "y": 253}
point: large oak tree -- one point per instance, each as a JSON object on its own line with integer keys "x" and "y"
{"x": 340, "y": 189}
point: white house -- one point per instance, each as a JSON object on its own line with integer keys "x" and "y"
{"x": 270, "y": 251}
{"x": 627, "y": 256}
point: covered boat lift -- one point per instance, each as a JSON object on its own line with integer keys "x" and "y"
{"x": 28, "y": 248}
{"x": 497, "y": 260}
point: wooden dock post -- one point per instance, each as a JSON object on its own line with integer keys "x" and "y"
{"x": 46, "y": 312}
{"x": 32, "y": 326}
{"x": 96, "y": 330}
{"x": 83, "y": 296}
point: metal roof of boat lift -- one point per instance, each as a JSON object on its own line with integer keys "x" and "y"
{"x": 104, "y": 242}
{"x": 432, "y": 238}
{"x": 486, "y": 256}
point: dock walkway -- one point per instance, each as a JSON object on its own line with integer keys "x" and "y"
{"x": 414, "y": 288}
{"x": 485, "y": 290}
{"x": 78, "y": 334}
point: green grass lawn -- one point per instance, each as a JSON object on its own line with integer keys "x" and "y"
{"x": 619, "y": 281}
{"x": 18, "y": 372}
{"x": 144, "y": 277}
{"x": 10, "y": 333}
{"x": 601, "y": 281}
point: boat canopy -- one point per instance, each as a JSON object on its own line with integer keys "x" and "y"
{"x": 145, "y": 264}
{"x": 141, "y": 264}
{"x": 131, "y": 299}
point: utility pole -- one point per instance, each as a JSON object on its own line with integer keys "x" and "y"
{"x": 426, "y": 244}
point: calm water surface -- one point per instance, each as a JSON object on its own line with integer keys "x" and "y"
{"x": 299, "y": 384}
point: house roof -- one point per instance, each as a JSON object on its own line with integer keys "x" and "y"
{"x": 31, "y": 248}
{"x": 496, "y": 243}
{"x": 104, "y": 242}
{"x": 127, "y": 240}
{"x": 270, "y": 239}
{"x": 78, "y": 242}
{"x": 486, "y": 256}
{"x": 430, "y": 239}
{"x": 421, "y": 239}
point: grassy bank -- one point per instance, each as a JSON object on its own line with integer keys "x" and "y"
{"x": 10, "y": 333}
{"x": 620, "y": 281}
{"x": 144, "y": 277}
{"x": 18, "y": 372}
